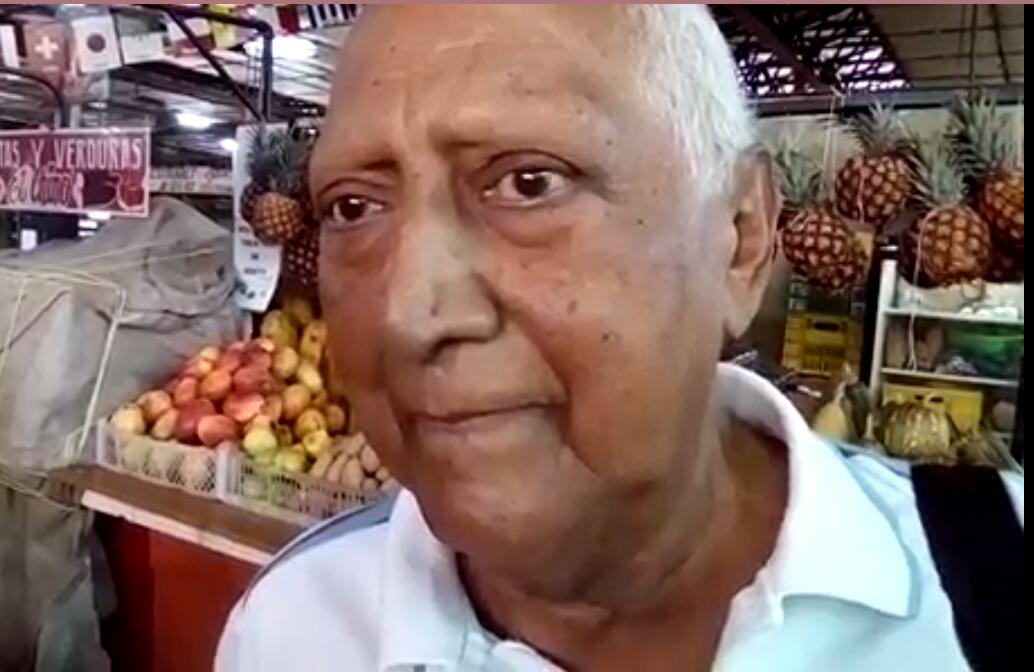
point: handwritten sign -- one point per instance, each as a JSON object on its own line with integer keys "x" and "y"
{"x": 256, "y": 265}
{"x": 76, "y": 171}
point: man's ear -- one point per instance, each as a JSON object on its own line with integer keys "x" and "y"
{"x": 756, "y": 203}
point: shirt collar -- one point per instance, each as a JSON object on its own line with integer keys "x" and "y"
{"x": 834, "y": 542}
{"x": 425, "y": 613}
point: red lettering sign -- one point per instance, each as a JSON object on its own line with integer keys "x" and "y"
{"x": 76, "y": 171}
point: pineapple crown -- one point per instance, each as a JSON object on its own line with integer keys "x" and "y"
{"x": 279, "y": 161}
{"x": 800, "y": 177}
{"x": 981, "y": 135}
{"x": 938, "y": 180}
{"x": 878, "y": 130}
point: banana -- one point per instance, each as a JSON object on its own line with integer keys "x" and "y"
{"x": 322, "y": 464}
{"x": 334, "y": 473}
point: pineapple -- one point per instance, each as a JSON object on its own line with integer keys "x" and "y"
{"x": 301, "y": 257}
{"x": 989, "y": 155}
{"x": 1005, "y": 266}
{"x": 873, "y": 187}
{"x": 950, "y": 240}
{"x": 279, "y": 214}
{"x": 815, "y": 240}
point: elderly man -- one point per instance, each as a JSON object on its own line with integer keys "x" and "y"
{"x": 540, "y": 225}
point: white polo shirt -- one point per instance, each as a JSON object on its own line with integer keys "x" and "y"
{"x": 850, "y": 584}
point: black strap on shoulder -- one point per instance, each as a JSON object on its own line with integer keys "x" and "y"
{"x": 976, "y": 541}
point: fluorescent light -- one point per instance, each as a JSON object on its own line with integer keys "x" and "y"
{"x": 288, "y": 47}
{"x": 191, "y": 120}
{"x": 99, "y": 216}
{"x": 228, "y": 145}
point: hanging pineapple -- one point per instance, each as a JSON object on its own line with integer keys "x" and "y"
{"x": 274, "y": 203}
{"x": 988, "y": 151}
{"x": 815, "y": 240}
{"x": 951, "y": 242}
{"x": 873, "y": 187}
{"x": 301, "y": 257}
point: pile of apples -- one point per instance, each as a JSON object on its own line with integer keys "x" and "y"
{"x": 266, "y": 396}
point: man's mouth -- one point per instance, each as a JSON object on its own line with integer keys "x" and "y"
{"x": 474, "y": 421}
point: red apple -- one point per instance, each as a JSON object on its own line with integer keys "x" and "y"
{"x": 214, "y": 429}
{"x": 216, "y": 385}
{"x": 210, "y": 353}
{"x": 184, "y": 392}
{"x": 263, "y": 344}
{"x": 197, "y": 368}
{"x": 231, "y": 360}
{"x": 258, "y": 359}
{"x": 190, "y": 415}
{"x": 254, "y": 379}
{"x": 243, "y": 407}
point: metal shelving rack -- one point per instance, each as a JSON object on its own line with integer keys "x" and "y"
{"x": 889, "y": 308}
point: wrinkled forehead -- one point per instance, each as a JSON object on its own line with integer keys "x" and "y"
{"x": 529, "y": 42}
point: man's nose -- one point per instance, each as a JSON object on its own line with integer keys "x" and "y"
{"x": 436, "y": 296}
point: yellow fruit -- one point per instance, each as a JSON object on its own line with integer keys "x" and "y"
{"x": 309, "y": 376}
{"x": 259, "y": 440}
{"x": 299, "y": 310}
{"x": 277, "y": 327}
{"x": 316, "y": 442}
{"x": 285, "y": 362}
{"x": 129, "y": 419}
{"x": 311, "y": 420}
{"x": 313, "y": 342}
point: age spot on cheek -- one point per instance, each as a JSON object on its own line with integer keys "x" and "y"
{"x": 572, "y": 306}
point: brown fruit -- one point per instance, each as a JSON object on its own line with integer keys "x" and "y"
{"x": 214, "y": 429}
{"x": 190, "y": 414}
{"x": 1000, "y": 201}
{"x": 243, "y": 407}
{"x": 296, "y": 399}
{"x": 254, "y": 379}
{"x": 154, "y": 404}
{"x": 337, "y": 419}
{"x": 273, "y": 407}
{"x": 216, "y": 385}
{"x": 164, "y": 428}
{"x": 320, "y": 399}
{"x": 185, "y": 391}
{"x": 873, "y": 189}
{"x": 820, "y": 247}
{"x": 284, "y": 436}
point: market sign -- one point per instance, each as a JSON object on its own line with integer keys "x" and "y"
{"x": 76, "y": 171}
{"x": 191, "y": 180}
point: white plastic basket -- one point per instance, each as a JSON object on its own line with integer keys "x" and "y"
{"x": 198, "y": 470}
{"x": 296, "y": 498}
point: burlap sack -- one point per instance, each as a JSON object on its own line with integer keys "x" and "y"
{"x": 85, "y": 326}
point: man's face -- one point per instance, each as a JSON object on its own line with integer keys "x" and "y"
{"x": 525, "y": 294}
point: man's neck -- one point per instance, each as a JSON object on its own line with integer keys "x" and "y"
{"x": 671, "y": 598}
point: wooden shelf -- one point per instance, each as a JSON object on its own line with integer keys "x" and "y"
{"x": 926, "y": 314}
{"x": 205, "y": 522}
{"x": 951, "y": 378}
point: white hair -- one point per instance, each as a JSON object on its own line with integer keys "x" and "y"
{"x": 688, "y": 67}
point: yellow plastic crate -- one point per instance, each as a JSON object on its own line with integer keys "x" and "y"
{"x": 816, "y": 343}
{"x": 966, "y": 407}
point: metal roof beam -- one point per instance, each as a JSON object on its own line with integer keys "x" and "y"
{"x": 769, "y": 40}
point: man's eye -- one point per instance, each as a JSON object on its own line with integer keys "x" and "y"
{"x": 351, "y": 210}
{"x": 528, "y": 187}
